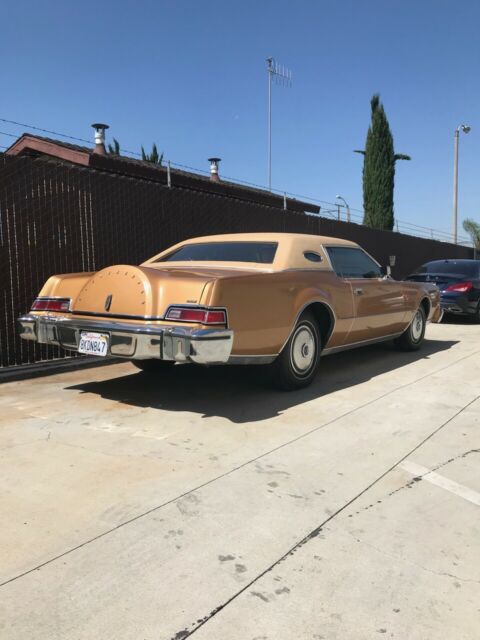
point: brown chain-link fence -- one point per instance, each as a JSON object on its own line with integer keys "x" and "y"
{"x": 61, "y": 218}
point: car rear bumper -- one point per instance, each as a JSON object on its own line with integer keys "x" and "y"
{"x": 459, "y": 304}
{"x": 133, "y": 341}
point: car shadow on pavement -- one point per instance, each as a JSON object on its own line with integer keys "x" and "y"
{"x": 450, "y": 318}
{"x": 243, "y": 394}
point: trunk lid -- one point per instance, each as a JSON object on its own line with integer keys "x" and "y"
{"x": 441, "y": 280}
{"x": 125, "y": 290}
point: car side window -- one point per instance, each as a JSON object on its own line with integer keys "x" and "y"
{"x": 352, "y": 262}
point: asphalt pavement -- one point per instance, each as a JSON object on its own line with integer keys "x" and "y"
{"x": 203, "y": 504}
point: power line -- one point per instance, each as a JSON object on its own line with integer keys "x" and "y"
{"x": 56, "y": 133}
{"x": 31, "y": 126}
{"x": 408, "y": 226}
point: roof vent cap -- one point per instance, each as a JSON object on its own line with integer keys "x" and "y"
{"x": 214, "y": 162}
{"x": 100, "y": 138}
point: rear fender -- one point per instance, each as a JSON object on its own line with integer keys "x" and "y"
{"x": 263, "y": 308}
{"x": 67, "y": 285}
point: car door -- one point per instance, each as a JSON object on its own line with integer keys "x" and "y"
{"x": 379, "y": 304}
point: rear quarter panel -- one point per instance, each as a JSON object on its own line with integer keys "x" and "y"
{"x": 414, "y": 293}
{"x": 262, "y": 308}
{"x": 67, "y": 285}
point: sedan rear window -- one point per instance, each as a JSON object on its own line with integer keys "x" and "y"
{"x": 457, "y": 267}
{"x": 260, "y": 252}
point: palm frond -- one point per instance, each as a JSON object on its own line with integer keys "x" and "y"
{"x": 473, "y": 229}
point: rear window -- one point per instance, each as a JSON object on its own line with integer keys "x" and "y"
{"x": 468, "y": 269}
{"x": 259, "y": 252}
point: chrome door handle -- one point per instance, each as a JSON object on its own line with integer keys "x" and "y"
{"x": 358, "y": 292}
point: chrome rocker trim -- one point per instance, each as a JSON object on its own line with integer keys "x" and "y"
{"x": 128, "y": 340}
{"x": 363, "y": 343}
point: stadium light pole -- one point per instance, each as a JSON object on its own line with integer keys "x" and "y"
{"x": 465, "y": 128}
{"x": 347, "y": 208}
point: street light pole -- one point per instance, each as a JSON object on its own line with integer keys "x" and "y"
{"x": 347, "y": 208}
{"x": 270, "y": 72}
{"x": 465, "y": 128}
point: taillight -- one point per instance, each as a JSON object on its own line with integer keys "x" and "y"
{"x": 196, "y": 314}
{"x": 460, "y": 287}
{"x": 51, "y": 304}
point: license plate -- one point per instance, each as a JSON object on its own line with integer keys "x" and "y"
{"x": 93, "y": 344}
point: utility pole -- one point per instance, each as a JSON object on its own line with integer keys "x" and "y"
{"x": 347, "y": 208}
{"x": 283, "y": 76}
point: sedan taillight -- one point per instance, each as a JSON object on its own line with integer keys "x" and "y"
{"x": 197, "y": 314}
{"x": 51, "y": 304}
{"x": 460, "y": 287}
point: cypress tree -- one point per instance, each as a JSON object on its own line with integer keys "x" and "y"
{"x": 379, "y": 170}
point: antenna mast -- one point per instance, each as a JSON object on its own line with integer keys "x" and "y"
{"x": 283, "y": 76}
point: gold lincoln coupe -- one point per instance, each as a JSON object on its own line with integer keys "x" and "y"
{"x": 281, "y": 300}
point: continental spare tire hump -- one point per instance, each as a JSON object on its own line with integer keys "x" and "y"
{"x": 125, "y": 290}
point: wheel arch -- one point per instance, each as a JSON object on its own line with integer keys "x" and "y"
{"x": 324, "y": 316}
{"x": 427, "y": 305}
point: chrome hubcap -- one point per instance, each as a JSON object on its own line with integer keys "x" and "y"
{"x": 302, "y": 352}
{"x": 417, "y": 326}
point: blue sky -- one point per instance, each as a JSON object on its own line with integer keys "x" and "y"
{"x": 191, "y": 76}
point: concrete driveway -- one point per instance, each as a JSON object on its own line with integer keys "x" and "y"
{"x": 205, "y": 505}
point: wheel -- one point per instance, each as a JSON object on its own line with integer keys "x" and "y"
{"x": 412, "y": 338}
{"x": 153, "y": 365}
{"x": 297, "y": 364}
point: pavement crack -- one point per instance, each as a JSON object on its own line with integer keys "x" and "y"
{"x": 414, "y": 481}
{"x": 317, "y": 531}
{"x": 450, "y": 460}
{"x": 309, "y": 536}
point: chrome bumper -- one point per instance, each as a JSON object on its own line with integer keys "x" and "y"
{"x": 128, "y": 340}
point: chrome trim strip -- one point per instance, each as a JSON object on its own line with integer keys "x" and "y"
{"x": 98, "y": 324}
{"x": 126, "y": 316}
{"x": 179, "y": 267}
{"x": 198, "y": 334}
{"x": 361, "y": 343}
{"x": 120, "y": 316}
{"x": 264, "y": 359}
{"x": 315, "y": 270}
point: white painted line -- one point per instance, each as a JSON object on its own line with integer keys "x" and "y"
{"x": 440, "y": 481}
